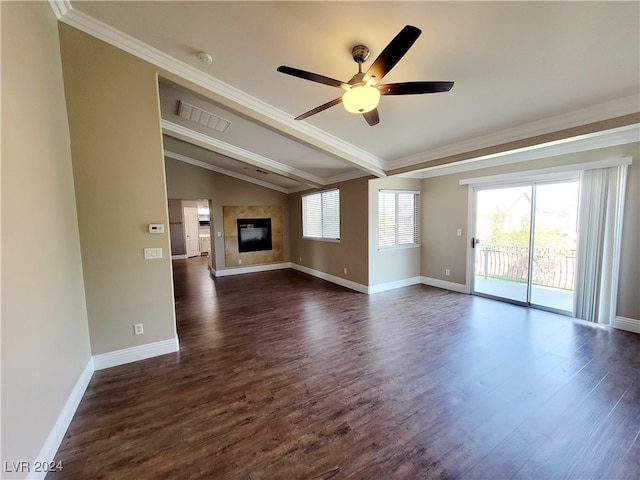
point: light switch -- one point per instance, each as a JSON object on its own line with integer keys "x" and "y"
{"x": 459, "y": 232}
{"x": 152, "y": 253}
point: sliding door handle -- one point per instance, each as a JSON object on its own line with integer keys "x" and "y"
{"x": 474, "y": 242}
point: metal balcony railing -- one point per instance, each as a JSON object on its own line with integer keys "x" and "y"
{"x": 552, "y": 267}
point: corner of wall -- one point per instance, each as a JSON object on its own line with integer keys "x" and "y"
{"x": 55, "y": 437}
{"x": 134, "y": 354}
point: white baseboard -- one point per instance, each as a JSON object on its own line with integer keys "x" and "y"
{"x": 434, "y": 282}
{"x": 133, "y": 354}
{"x": 358, "y": 287}
{"x": 628, "y": 324}
{"x": 55, "y": 437}
{"x": 343, "y": 282}
{"x": 383, "y": 287}
{"x": 97, "y": 362}
{"x": 250, "y": 269}
{"x": 178, "y": 257}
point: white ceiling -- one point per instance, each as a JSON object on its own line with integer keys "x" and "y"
{"x": 520, "y": 69}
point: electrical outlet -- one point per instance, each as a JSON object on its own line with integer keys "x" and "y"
{"x": 345, "y": 270}
{"x": 138, "y": 329}
{"x": 239, "y": 261}
{"x": 300, "y": 259}
{"x": 447, "y": 272}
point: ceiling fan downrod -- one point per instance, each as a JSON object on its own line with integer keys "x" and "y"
{"x": 360, "y": 53}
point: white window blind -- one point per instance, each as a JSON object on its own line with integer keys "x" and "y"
{"x": 397, "y": 218}
{"x": 321, "y": 215}
{"x": 386, "y": 219}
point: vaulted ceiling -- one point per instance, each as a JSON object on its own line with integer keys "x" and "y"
{"x": 525, "y": 73}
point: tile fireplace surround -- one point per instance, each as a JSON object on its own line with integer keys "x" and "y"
{"x": 232, "y": 257}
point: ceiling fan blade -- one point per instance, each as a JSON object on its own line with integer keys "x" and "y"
{"x": 414, "y": 88}
{"x": 393, "y": 53}
{"x": 372, "y": 117}
{"x": 319, "y": 109}
{"x": 314, "y": 77}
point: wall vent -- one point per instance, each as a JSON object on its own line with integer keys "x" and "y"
{"x": 202, "y": 117}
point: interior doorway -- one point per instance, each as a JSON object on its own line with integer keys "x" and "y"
{"x": 190, "y": 224}
{"x": 524, "y": 246}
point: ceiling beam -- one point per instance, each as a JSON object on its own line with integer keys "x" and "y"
{"x": 240, "y": 154}
{"x": 224, "y": 171}
{"x": 593, "y": 129}
{"x": 221, "y": 92}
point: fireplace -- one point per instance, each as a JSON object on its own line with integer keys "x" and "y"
{"x": 254, "y": 234}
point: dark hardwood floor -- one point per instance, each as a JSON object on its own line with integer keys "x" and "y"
{"x": 284, "y": 376}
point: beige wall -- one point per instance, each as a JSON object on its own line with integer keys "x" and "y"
{"x": 45, "y": 337}
{"x": 49, "y": 326}
{"x": 444, "y": 210}
{"x": 445, "y": 206}
{"x": 188, "y": 181}
{"x": 352, "y": 250}
{"x": 118, "y": 165}
{"x": 390, "y": 265}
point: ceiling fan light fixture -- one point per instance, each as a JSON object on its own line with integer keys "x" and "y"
{"x": 361, "y": 99}
{"x": 363, "y": 91}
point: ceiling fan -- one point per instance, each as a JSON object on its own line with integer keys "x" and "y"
{"x": 363, "y": 91}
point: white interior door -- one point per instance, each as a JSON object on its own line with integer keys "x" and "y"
{"x": 191, "y": 226}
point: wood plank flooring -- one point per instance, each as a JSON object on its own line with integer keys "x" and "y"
{"x": 284, "y": 376}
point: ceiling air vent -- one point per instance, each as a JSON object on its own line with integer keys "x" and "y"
{"x": 201, "y": 117}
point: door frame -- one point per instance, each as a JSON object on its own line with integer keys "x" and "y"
{"x": 500, "y": 181}
{"x": 471, "y": 250}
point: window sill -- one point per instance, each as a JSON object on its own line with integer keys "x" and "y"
{"x": 319, "y": 239}
{"x": 398, "y": 247}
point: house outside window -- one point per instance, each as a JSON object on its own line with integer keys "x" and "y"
{"x": 397, "y": 218}
{"x": 321, "y": 215}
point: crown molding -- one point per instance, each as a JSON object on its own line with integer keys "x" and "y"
{"x": 581, "y": 143}
{"x": 345, "y": 177}
{"x": 546, "y": 174}
{"x": 596, "y": 113}
{"x": 237, "y": 153}
{"x": 283, "y": 122}
{"x": 229, "y": 95}
{"x": 224, "y": 171}
{"x": 60, "y": 7}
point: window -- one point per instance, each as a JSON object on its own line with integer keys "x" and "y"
{"x": 397, "y": 218}
{"x": 321, "y": 215}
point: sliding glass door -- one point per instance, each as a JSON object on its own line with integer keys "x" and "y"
{"x": 525, "y": 243}
{"x": 554, "y": 245}
{"x": 503, "y": 221}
